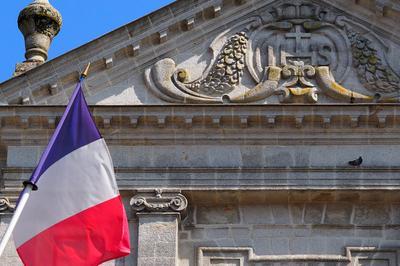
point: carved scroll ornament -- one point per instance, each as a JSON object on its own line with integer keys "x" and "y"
{"x": 159, "y": 202}
{"x": 297, "y": 52}
{"x": 5, "y": 206}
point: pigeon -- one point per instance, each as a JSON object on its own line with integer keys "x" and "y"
{"x": 356, "y": 162}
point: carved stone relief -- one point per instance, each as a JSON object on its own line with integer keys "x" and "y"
{"x": 227, "y": 70}
{"x": 159, "y": 201}
{"x": 296, "y": 51}
{"x": 5, "y": 206}
{"x": 355, "y": 256}
{"x": 374, "y": 73}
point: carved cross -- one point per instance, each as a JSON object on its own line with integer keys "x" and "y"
{"x": 298, "y": 35}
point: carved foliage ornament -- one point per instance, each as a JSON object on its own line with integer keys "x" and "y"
{"x": 227, "y": 70}
{"x": 374, "y": 74}
{"x": 295, "y": 52}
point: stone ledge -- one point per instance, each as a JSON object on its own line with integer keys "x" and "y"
{"x": 224, "y": 179}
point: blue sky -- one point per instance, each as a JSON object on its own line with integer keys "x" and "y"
{"x": 83, "y": 21}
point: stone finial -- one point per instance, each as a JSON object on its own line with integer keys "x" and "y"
{"x": 39, "y": 22}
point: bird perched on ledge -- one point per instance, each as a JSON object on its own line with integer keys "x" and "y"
{"x": 356, "y": 162}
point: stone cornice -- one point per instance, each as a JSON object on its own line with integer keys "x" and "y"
{"x": 213, "y": 116}
{"x": 183, "y": 124}
{"x": 228, "y": 124}
{"x": 385, "y": 14}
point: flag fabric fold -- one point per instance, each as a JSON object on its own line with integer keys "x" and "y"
{"x": 76, "y": 217}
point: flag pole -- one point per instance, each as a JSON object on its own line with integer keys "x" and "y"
{"x": 17, "y": 213}
{"x": 28, "y": 188}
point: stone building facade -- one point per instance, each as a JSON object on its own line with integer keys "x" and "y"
{"x": 243, "y": 132}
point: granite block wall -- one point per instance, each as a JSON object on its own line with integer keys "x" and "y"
{"x": 305, "y": 227}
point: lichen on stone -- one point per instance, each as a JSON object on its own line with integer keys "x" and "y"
{"x": 227, "y": 69}
{"x": 375, "y": 74}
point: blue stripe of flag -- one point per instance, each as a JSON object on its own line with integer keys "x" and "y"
{"x": 75, "y": 129}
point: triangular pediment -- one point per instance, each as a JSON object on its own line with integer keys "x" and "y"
{"x": 218, "y": 52}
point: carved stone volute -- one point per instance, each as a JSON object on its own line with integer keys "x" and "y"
{"x": 5, "y": 206}
{"x": 159, "y": 201}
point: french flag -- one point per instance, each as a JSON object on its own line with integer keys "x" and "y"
{"x": 76, "y": 217}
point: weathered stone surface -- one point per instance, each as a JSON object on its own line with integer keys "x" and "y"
{"x": 280, "y": 246}
{"x": 313, "y": 213}
{"x": 218, "y": 215}
{"x": 393, "y": 233}
{"x": 157, "y": 234}
{"x": 218, "y": 233}
{"x": 257, "y": 214}
{"x": 296, "y": 213}
{"x": 298, "y": 245}
{"x": 395, "y": 210}
{"x": 281, "y": 214}
{"x": 371, "y": 214}
{"x": 240, "y": 233}
{"x": 339, "y": 213}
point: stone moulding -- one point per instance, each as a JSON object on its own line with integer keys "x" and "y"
{"x": 207, "y": 256}
{"x": 212, "y": 116}
{"x": 214, "y": 178}
{"x": 34, "y": 124}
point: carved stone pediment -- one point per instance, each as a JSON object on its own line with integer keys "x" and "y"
{"x": 290, "y": 52}
{"x": 214, "y": 51}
